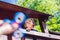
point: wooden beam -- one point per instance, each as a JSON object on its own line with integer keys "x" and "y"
{"x": 15, "y": 8}
{"x": 46, "y": 35}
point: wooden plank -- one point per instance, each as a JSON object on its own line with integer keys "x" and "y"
{"x": 40, "y": 34}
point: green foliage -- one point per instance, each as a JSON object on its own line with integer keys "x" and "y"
{"x": 46, "y": 6}
{"x": 39, "y": 5}
{"x": 53, "y": 24}
{"x": 36, "y": 25}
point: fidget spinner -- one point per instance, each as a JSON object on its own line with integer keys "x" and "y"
{"x": 18, "y": 34}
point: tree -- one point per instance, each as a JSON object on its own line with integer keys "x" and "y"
{"x": 45, "y": 6}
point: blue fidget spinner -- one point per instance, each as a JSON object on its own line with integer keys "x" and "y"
{"x": 18, "y": 34}
{"x": 7, "y": 20}
{"x": 19, "y": 17}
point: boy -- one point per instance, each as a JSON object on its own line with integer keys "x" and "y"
{"x": 29, "y": 24}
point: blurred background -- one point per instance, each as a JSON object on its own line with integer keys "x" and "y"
{"x": 51, "y": 7}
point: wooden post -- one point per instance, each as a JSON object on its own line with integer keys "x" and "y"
{"x": 9, "y": 37}
{"x": 23, "y": 38}
{"x": 43, "y": 25}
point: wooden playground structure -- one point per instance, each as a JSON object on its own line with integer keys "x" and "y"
{"x": 10, "y": 9}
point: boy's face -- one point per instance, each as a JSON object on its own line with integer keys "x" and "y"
{"x": 28, "y": 24}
